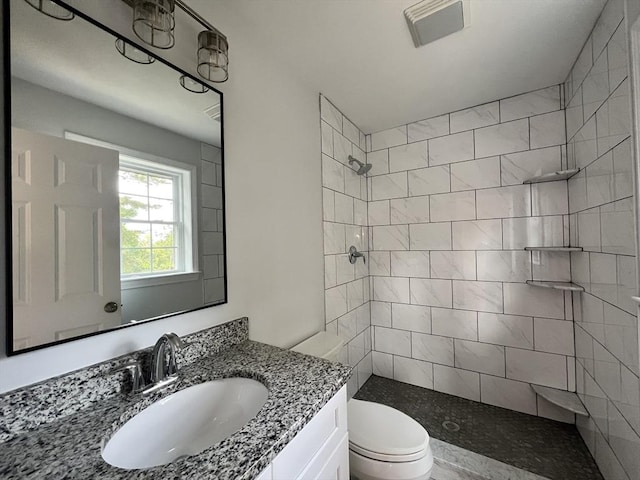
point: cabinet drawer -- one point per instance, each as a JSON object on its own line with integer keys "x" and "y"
{"x": 329, "y": 425}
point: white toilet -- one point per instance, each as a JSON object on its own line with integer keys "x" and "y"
{"x": 384, "y": 443}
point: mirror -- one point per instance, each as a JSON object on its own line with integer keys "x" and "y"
{"x": 116, "y": 180}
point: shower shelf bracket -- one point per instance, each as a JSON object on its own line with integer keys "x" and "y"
{"x": 553, "y": 249}
{"x": 553, "y": 176}
{"x": 567, "y": 400}
{"x": 567, "y": 286}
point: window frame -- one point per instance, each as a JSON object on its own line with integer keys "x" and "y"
{"x": 188, "y": 181}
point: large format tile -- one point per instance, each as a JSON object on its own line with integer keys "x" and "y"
{"x": 454, "y": 381}
{"x": 429, "y": 128}
{"x": 475, "y": 117}
{"x": 389, "y": 289}
{"x": 455, "y": 265}
{"x": 408, "y": 157}
{"x": 529, "y": 104}
{"x": 432, "y": 348}
{"x": 506, "y": 393}
{"x": 415, "y": 372}
{"x": 504, "y": 266}
{"x": 410, "y": 264}
{"x": 393, "y": 185}
{"x": 504, "y": 202}
{"x": 502, "y": 139}
{"x": 480, "y": 296}
{"x": 389, "y": 138}
{"x": 410, "y": 210}
{"x": 451, "y": 148}
{"x": 430, "y": 236}
{"x": 477, "y": 235}
{"x": 411, "y": 317}
{"x": 508, "y": 330}
{"x": 475, "y": 174}
{"x": 547, "y": 130}
{"x": 427, "y": 181}
{"x": 446, "y": 207}
{"x": 536, "y": 367}
{"x": 518, "y": 167}
{"x": 389, "y": 340}
{"x": 392, "y": 237}
{"x": 533, "y": 232}
{"x": 454, "y": 323}
{"x": 526, "y": 300}
{"x": 480, "y": 357}
{"x": 430, "y": 292}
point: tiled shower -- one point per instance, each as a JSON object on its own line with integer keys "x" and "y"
{"x": 443, "y": 301}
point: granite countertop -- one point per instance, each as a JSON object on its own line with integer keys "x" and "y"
{"x": 70, "y": 447}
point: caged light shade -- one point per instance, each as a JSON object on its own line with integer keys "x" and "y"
{"x": 154, "y": 22}
{"x": 213, "y": 56}
{"x": 51, "y": 9}
{"x": 127, "y": 50}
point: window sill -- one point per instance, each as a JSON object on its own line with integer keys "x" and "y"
{"x": 139, "y": 282}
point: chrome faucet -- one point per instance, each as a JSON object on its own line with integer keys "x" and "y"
{"x": 160, "y": 369}
{"x": 163, "y": 372}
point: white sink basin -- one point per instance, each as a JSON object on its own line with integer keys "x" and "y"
{"x": 185, "y": 423}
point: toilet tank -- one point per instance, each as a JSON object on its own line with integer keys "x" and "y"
{"x": 323, "y": 344}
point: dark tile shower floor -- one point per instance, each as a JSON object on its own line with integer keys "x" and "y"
{"x": 545, "y": 447}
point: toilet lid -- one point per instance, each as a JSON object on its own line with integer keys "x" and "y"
{"x": 384, "y": 433}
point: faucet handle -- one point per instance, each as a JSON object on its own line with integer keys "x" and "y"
{"x": 135, "y": 370}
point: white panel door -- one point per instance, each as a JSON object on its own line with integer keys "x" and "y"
{"x": 66, "y": 238}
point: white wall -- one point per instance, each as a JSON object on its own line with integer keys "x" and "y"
{"x": 274, "y": 228}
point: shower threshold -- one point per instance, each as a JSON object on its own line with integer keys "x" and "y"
{"x": 474, "y": 440}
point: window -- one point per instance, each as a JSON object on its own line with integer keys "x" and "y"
{"x": 157, "y": 216}
{"x": 153, "y": 205}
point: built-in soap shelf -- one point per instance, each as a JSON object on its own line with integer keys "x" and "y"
{"x": 567, "y": 286}
{"x": 553, "y": 176}
{"x": 567, "y": 400}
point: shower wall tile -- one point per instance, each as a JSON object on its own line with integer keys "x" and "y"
{"x": 448, "y": 266}
{"x": 451, "y": 148}
{"x": 530, "y": 104}
{"x": 429, "y": 128}
{"x": 476, "y": 117}
{"x": 427, "y": 181}
{"x": 408, "y": 157}
{"x": 503, "y": 138}
{"x": 415, "y": 372}
{"x": 389, "y": 138}
{"x": 606, "y": 326}
{"x": 475, "y": 174}
{"x": 345, "y": 215}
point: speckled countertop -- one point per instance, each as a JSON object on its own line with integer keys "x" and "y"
{"x": 70, "y": 447}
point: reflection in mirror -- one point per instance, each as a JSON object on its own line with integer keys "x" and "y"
{"x": 117, "y": 183}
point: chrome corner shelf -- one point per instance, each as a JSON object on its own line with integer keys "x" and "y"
{"x": 553, "y": 176}
{"x": 567, "y": 400}
{"x": 567, "y": 286}
{"x": 553, "y": 249}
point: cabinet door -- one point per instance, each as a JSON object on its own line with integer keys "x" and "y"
{"x": 320, "y": 436}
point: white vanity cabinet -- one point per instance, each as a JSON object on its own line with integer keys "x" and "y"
{"x": 320, "y": 451}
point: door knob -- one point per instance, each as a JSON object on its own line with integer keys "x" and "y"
{"x": 110, "y": 307}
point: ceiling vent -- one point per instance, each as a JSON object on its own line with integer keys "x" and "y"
{"x": 433, "y": 19}
{"x": 213, "y": 112}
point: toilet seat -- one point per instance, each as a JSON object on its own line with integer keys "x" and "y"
{"x": 383, "y": 433}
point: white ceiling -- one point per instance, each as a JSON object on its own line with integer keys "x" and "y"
{"x": 359, "y": 53}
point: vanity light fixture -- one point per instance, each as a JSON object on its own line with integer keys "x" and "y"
{"x": 213, "y": 56}
{"x": 191, "y": 85}
{"x": 154, "y": 21}
{"x": 132, "y": 53}
{"x": 51, "y": 9}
